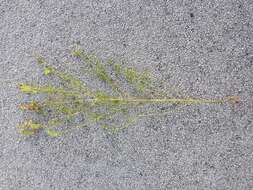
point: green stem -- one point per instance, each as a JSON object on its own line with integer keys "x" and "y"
{"x": 164, "y": 100}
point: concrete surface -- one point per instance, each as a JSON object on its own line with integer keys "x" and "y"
{"x": 204, "y": 47}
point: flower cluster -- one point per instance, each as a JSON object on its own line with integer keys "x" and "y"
{"x": 32, "y": 106}
{"x": 29, "y": 127}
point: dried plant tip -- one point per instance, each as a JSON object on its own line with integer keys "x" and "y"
{"x": 233, "y": 99}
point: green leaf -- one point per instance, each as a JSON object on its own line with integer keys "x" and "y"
{"x": 27, "y": 132}
{"x": 102, "y": 73}
{"x": 117, "y": 69}
{"x": 97, "y": 116}
{"x": 77, "y": 53}
{"x": 54, "y": 122}
{"x": 40, "y": 60}
{"x": 53, "y": 133}
{"x": 131, "y": 75}
{"x": 48, "y": 70}
{"x": 143, "y": 81}
{"x": 100, "y": 95}
{"x": 28, "y": 89}
{"x": 105, "y": 127}
{"x": 35, "y": 126}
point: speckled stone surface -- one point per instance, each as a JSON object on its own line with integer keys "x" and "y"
{"x": 203, "y": 47}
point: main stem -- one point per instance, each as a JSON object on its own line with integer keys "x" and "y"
{"x": 164, "y": 100}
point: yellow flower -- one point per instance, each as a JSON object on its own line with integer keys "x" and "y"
{"x": 29, "y": 125}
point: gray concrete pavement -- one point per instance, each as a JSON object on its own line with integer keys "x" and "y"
{"x": 203, "y": 47}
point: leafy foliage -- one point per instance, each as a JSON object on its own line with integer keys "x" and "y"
{"x": 75, "y": 104}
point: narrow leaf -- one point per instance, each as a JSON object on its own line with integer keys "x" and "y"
{"x": 48, "y": 70}
{"x": 27, "y": 132}
{"x": 53, "y": 133}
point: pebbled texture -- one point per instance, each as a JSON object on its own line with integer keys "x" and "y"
{"x": 202, "y": 47}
